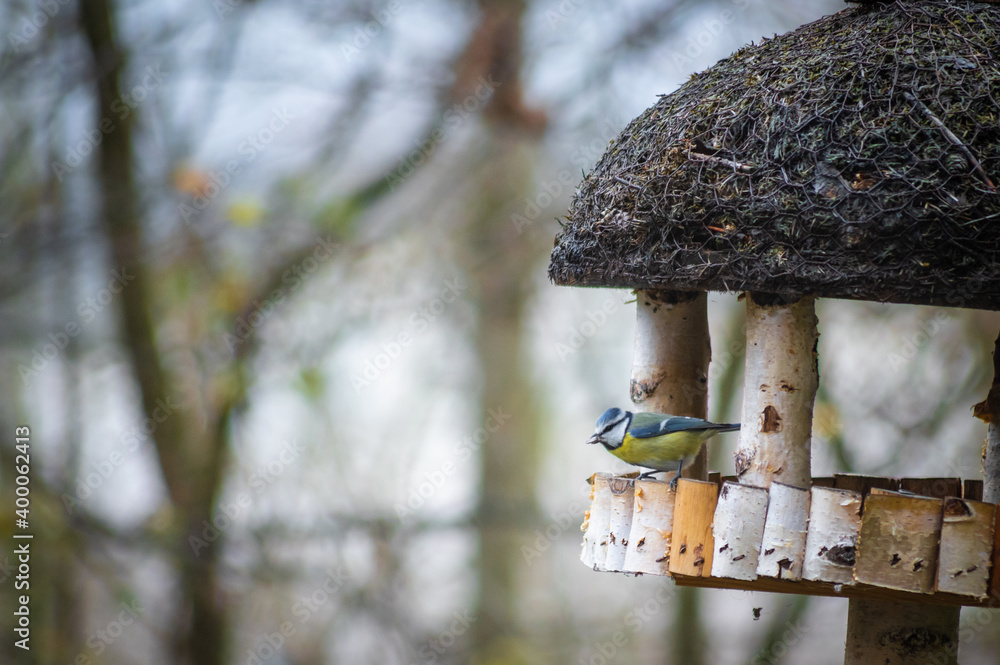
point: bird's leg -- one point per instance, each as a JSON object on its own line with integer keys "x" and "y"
{"x": 673, "y": 483}
{"x": 648, "y": 474}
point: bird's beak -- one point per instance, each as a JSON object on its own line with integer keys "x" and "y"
{"x": 594, "y": 439}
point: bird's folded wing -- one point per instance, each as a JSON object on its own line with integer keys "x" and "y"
{"x": 648, "y": 425}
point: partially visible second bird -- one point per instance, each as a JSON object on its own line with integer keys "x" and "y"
{"x": 654, "y": 440}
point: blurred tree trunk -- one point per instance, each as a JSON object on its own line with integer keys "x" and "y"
{"x": 687, "y": 645}
{"x": 497, "y": 260}
{"x": 190, "y": 455}
{"x": 507, "y": 508}
{"x": 66, "y": 560}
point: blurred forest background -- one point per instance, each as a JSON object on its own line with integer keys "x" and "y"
{"x": 272, "y": 278}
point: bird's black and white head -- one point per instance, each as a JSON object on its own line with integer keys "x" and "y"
{"x": 611, "y": 427}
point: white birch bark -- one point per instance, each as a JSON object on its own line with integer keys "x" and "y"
{"x": 779, "y": 389}
{"x": 620, "y": 521}
{"x": 991, "y": 465}
{"x": 652, "y": 526}
{"x": 598, "y": 523}
{"x": 671, "y": 357}
{"x": 832, "y": 536}
{"x": 738, "y": 530}
{"x": 966, "y": 548}
{"x": 783, "y": 549}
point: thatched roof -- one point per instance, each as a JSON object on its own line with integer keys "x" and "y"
{"x": 856, "y": 157}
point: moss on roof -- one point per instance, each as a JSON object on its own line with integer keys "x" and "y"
{"x": 855, "y": 157}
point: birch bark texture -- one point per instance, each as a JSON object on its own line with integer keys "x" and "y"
{"x": 738, "y": 530}
{"x": 671, "y": 356}
{"x": 652, "y": 526}
{"x": 832, "y": 536}
{"x": 967, "y": 537}
{"x": 779, "y": 390}
{"x": 989, "y": 412}
{"x": 622, "y": 490}
{"x": 891, "y": 633}
{"x": 597, "y": 526}
{"x": 782, "y": 550}
{"x": 898, "y": 545}
{"x": 991, "y": 464}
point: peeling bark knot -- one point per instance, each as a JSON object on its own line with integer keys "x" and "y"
{"x": 744, "y": 458}
{"x": 770, "y": 421}
{"x": 966, "y": 547}
{"x": 956, "y": 510}
{"x": 619, "y": 485}
{"x": 919, "y": 641}
{"x": 840, "y": 555}
{"x": 640, "y": 391}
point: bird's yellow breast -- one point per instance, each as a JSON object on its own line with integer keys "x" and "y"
{"x": 661, "y": 452}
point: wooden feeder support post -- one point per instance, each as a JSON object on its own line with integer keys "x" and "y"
{"x": 670, "y": 363}
{"x": 991, "y": 464}
{"x": 670, "y": 375}
{"x": 885, "y": 632}
{"x": 779, "y": 389}
{"x": 888, "y": 633}
{"x": 989, "y": 411}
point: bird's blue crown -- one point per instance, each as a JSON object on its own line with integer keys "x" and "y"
{"x": 610, "y": 416}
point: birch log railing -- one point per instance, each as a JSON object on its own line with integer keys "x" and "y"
{"x": 876, "y": 543}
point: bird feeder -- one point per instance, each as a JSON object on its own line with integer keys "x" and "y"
{"x": 857, "y": 158}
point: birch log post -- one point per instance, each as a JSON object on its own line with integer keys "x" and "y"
{"x": 670, "y": 375}
{"x": 989, "y": 412}
{"x": 652, "y": 526}
{"x": 880, "y": 631}
{"x": 995, "y": 568}
{"x": 620, "y": 523}
{"x": 991, "y": 464}
{"x": 966, "y": 547}
{"x": 889, "y": 633}
{"x": 782, "y": 550}
{"x": 832, "y": 537}
{"x": 670, "y": 362}
{"x": 738, "y": 529}
{"x": 779, "y": 389}
{"x": 898, "y": 545}
{"x": 597, "y": 523}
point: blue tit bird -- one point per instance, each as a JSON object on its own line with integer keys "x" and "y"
{"x": 654, "y": 440}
